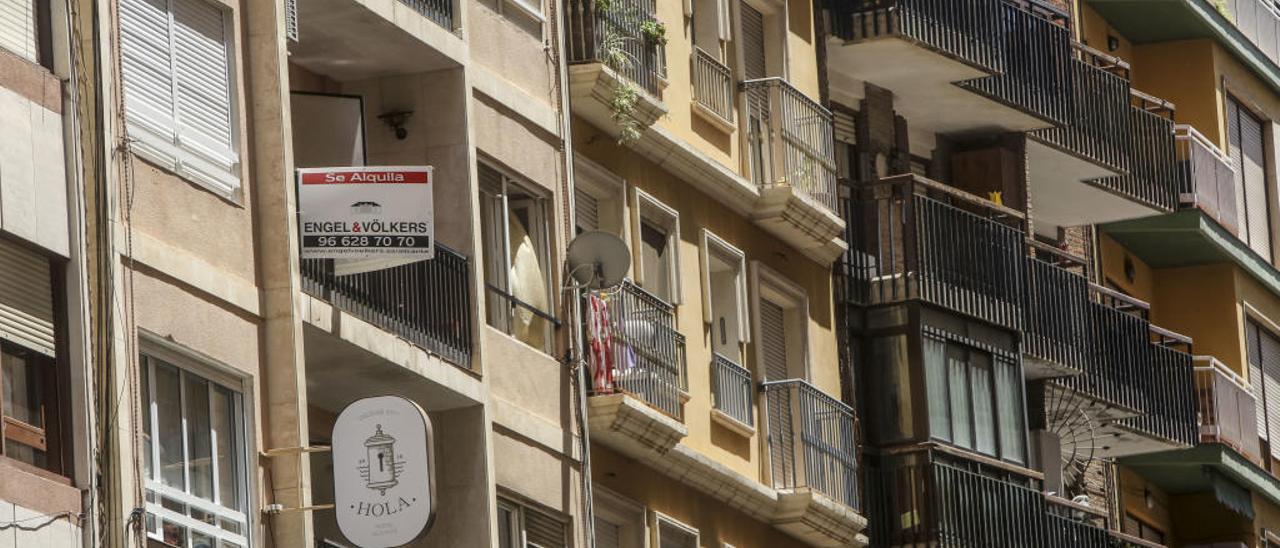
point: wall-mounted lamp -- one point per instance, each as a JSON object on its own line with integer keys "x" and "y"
{"x": 396, "y": 119}
{"x": 1113, "y": 43}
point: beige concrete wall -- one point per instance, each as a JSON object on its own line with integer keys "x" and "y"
{"x": 509, "y": 42}
{"x": 58, "y": 532}
{"x": 697, "y": 212}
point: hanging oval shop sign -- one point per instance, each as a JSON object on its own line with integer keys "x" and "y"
{"x": 383, "y": 473}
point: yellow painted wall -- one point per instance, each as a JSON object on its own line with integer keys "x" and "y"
{"x": 698, "y": 211}
{"x": 1200, "y": 302}
{"x": 1113, "y": 257}
{"x": 715, "y": 522}
{"x": 1200, "y": 519}
{"x": 1182, "y": 72}
{"x": 1134, "y": 492}
{"x": 1093, "y": 30}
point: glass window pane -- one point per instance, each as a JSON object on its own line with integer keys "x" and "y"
{"x": 199, "y": 446}
{"x": 169, "y": 425}
{"x": 225, "y": 451}
{"x": 175, "y": 534}
{"x": 23, "y": 386}
{"x": 201, "y": 540}
{"x": 935, "y": 366}
{"x": 1009, "y": 405}
{"x": 505, "y": 525}
{"x": 958, "y": 381}
{"x": 147, "y": 464}
{"x": 984, "y": 417}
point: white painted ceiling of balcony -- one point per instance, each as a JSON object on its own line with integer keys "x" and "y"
{"x": 350, "y": 40}
{"x": 924, "y": 87}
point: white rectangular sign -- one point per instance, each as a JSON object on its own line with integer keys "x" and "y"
{"x": 366, "y": 212}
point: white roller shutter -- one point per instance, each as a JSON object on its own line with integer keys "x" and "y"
{"x": 543, "y": 531}
{"x": 148, "y": 68}
{"x": 1256, "y": 382}
{"x": 202, "y": 64}
{"x": 773, "y": 341}
{"x": 26, "y": 299}
{"x": 1271, "y": 379}
{"x": 18, "y": 28}
{"x": 1255, "y": 173}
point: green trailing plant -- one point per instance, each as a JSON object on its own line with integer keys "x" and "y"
{"x": 622, "y": 106}
{"x": 654, "y": 31}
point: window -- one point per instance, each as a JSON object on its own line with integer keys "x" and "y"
{"x": 782, "y": 313}
{"x": 1245, "y": 137}
{"x": 724, "y": 301}
{"x": 712, "y": 27}
{"x": 1263, "y": 354}
{"x": 193, "y": 458}
{"x": 24, "y": 28}
{"x": 975, "y": 397}
{"x": 516, "y": 233}
{"x": 598, "y": 202}
{"x": 176, "y": 70}
{"x": 28, "y": 359}
{"x": 619, "y": 522}
{"x": 1138, "y": 528}
{"x": 520, "y": 526}
{"x": 657, "y": 259}
{"x": 673, "y": 534}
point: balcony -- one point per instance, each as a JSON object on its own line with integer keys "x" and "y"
{"x": 931, "y": 498}
{"x": 1037, "y": 67}
{"x": 912, "y": 238}
{"x": 1138, "y": 395}
{"x": 812, "y": 441}
{"x": 426, "y": 303}
{"x": 607, "y": 52}
{"x": 792, "y": 162}
{"x": 1056, "y": 337}
{"x": 648, "y": 357}
{"x": 733, "y": 393}
{"x": 1153, "y": 175}
{"x": 351, "y": 40}
{"x": 1206, "y": 178}
{"x": 713, "y": 93}
{"x": 1226, "y": 408}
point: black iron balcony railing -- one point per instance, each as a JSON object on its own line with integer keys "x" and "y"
{"x": 967, "y": 30}
{"x": 439, "y": 11}
{"x": 1206, "y": 178}
{"x": 1121, "y": 350}
{"x": 812, "y": 441}
{"x": 713, "y": 85}
{"x": 1170, "y": 404}
{"x": 648, "y": 355}
{"x": 614, "y": 37}
{"x": 1153, "y": 166}
{"x": 792, "y": 141}
{"x": 929, "y": 498}
{"x": 1037, "y": 66}
{"x": 1097, "y": 128}
{"x": 732, "y": 390}
{"x": 912, "y": 238}
{"x": 1226, "y": 408}
{"x": 1056, "y": 308}
{"x": 427, "y": 303}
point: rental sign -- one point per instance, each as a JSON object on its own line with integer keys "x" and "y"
{"x": 366, "y": 212}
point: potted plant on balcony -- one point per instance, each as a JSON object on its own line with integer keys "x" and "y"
{"x": 654, "y": 32}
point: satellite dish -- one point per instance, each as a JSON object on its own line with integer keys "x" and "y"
{"x": 598, "y": 259}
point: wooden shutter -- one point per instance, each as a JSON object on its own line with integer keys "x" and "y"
{"x": 753, "y": 54}
{"x": 26, "y": 299}
{"x": 543, "y": 531}
{"x": 147, "y": 67}
{"x": 203, "y": 66}
{"x": 608, "y": 534}
{"x": 1253, "y": 162}
{"x": 18, "y": 28}
{"x": 587, "y": 210}
{"x": 773, "y": 341}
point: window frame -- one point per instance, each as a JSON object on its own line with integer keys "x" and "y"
{"x": 507, "y": 298}
{"x": 607, "y": 188}
{"x": 187, "y": 363}
{"x": 518, "y": 530}
{"x": 713, "y": 245}
{"x": 768, "y": 284}
{"x": 658, "y": 519}
{"x": 628, "y": 513}
{"x": 169, "y": 152}
{"x": 646, "y": 208}
{"x": 994, "y": 358}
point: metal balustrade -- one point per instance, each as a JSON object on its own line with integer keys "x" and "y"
{"x": 928, "y": 498}
{"x": 712, "y": 85}
{"x": 1206, "y": 178}
{"x": 792, "y": 141}
{"x": 648, "y": 353}
{"x": 812, "y": 441}
{"x": 1098, "y": 128}
{"x": 439, "y": 11}
{"x": 614, "y": 38}
{"x": 427, "y": 302}
{"x": 1037, "y": 66}
{"x": 1122, "y": 351}
{"x": 1170, "y": 404}
{"x": 967, "y": 30}
{"x": 1153, "y": 166}
{"x": 911, "y": 238}
{"x": 1057, "y": 312}
{"x": 1225, "y": 408}
{"x": 732, "y": 389}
